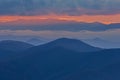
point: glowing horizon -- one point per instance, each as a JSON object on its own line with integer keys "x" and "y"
{"x": 53, "y": 18}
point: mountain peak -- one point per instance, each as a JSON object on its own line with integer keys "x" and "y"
{"x": 65, "y": 39}
{"x": 69, "y": 44}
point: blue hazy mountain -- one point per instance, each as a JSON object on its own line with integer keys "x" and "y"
{"x": 12, "y": 45}
{"x": 10, "y": 49}
{"x": 36, "y": 41}
{"x": 98, "y": 42}
{"x": 69, "y": 44}
{"x": 53, "y": 61}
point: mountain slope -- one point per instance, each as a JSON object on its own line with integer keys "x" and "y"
{"x": 14, "y": 45}
{"x": 6, "y": 55}
{"x": 61, "y": 64}
{"x": 69, "y": 44}
{"x": 102, "y": 43}
{"x": 10, "y": 50}
{"x": 36, "y": 41}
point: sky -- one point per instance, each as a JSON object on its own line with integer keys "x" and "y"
{"x": 52, "y": 19}
{"x": 103, "y": 11}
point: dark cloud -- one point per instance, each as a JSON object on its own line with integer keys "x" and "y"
{"x": 74, "y": 27}
{"x": 72, "y": 7}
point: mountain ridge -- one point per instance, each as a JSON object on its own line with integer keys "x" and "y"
{"x": 69, "y": 44}
{"x": 13, "y": 45}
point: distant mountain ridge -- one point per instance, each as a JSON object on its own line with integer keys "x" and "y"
{"x": 98, "y": 42}
{"x": 12, "y": 45}
{"x": 69, "y": 44}
{"x": 36, "y": 41}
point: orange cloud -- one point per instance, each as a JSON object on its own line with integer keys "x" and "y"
{"x": 48, "y": 19}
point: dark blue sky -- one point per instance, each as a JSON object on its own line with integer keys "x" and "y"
{"x": 72, "y": 7}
